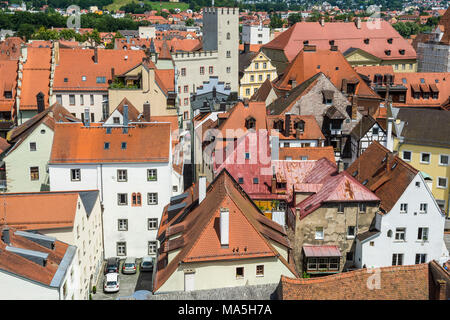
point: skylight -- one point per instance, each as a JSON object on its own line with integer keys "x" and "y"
{"x": 124, "y": 145}
{"x": 106, "y": 146}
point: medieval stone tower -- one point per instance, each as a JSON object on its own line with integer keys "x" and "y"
{"x": 221, "y": 33}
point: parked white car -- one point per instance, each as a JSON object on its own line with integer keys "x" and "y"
{"x": 111, "y": 283}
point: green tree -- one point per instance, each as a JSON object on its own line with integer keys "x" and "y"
{"x": 294, "y": 18}
{"x": 276, "y": 21}
{"x": 189, "y": 22}
{"x": 25, "y": 31}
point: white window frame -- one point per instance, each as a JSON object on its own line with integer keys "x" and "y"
{"x": 256, "y": 270}
{"x": 118, "y": 199}
{"x": 122, "y": 224}
{"x": 424, "y": 235}
{"x": 152, "y": 244}
{"x": 317, "y": 235}
{"x": 151, "y": 222}
{"x": 410, "y": 155}
{"x": 79, "y": 174}
{"x": 397, "y": 255}
{"x": 426, "y": 208}
{"x": 150, "y": 197}
{"x": 124, "y": 244}
{"x": 120, "y": 175}
{"x": 398, "y": 233}
{"x": 403, "y": 210}
{"x": 425, "y": 162}
{"x": 439, "y": 186}
{"x": 351, "y": 236}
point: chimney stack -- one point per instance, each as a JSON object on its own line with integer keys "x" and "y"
{"x": 224, "y": 227}
{"x": 214, "y": 92}
{"x": 389, "y": 141}
{"x": 125, "y": 115}
{"x": 246, "y": 47}
{"x": 95, "y": 55}
{"x": 112, "y": 74}
{"x": 147, "y": 111}
{"x": 287, "y": 124}
{"x": 354, "y": 107}
{"x": 246, "y": 102}
{"x": 358, "y": 23}
{"x": 5, "y": 236}
{"x": 40, "y": 102}
{"x": 441, "y": 290}
{"x": 275, "y": 147}
{"x": 201, "y": 188}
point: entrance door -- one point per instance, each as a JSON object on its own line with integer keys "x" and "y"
{"x": 189, "y": 281}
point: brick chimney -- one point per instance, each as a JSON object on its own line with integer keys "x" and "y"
{"x": 441, "y": 290}
{"x": 95, "y": 55}
{"x": 287, "y": 124}
{"x": 146, "y": 108}
{"x": 40, "y": 102}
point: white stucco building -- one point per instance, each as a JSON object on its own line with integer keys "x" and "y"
{"x": 255, "y": 34}
{"x": 131, "y": 166}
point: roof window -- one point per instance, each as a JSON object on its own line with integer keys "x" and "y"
{"x": 101, "y": 79}
{"x": 390, "y": 40}
{"x": 106, "y": 146}
{"x": 422, "y": 80}
{"x": 355, "y": 173}
{"x": 66, "y": 79}
{"x": 83, "y": 78}
{"x": 124, "y": 145}
{"x": 108, "y": 130}
{"x": 365, "y": 182}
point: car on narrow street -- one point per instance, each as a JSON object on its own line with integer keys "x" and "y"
{"x": 147, "y": 263}
{"x": 129, "y": 266}
{"x": 111, "y": 282}
{"x": 112, "y": 265}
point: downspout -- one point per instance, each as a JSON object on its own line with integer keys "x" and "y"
{"x": 102, "y": 209}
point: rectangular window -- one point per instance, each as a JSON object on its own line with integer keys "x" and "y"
{"x": 123, "y": 145}
{"x": 422, "y": 234}
{"x": 211, "y": 69}
{"x": 247, "y": 92}
{"x": 92, "y": 99}
{"x": 152, "y": 198}
{"x": 256, "y": 65}
{"x": 186, "y": 89}
{"x": 122, "y": 199}
{"x": 71, "y": 99}
{"x": 152, "y": 247}
{"x": 312, "y": 264}
{"x": 425, "y": 157}
{"x": 442, "y": 182}
{"x": 121, "y": 175}
{"x": 407, "y": 155}
{"x": 136, "y": 199}
{"x": 121, "y": 248}
{"x": 362, "y": 207}
{"x": 340, "y": 208}
{"x": 228, "y": 54}
{"x": 351, "y": 230}
{"x": 228, "y": 69}
{"x": 397, "y": 259}
{"x": 75, "y": 174}
{"x": 34, "y": 173}
{"x": 59, "y": 98}
{"x": 252, "y": 78}
{"x": 423, "y": 208}
{"x": 101, "y": 80}
{"x": 403, "y": 208}
{"x": 92, "y": 117}
{"x": 122, "y": 224}
{"x": 400, "y": 234}
{"x": 202, "y": 70}
{"x": 32, "y": 146}
{"x": 260, "y": 270}
{"x": 183, "y": 72}
{"x": 82, "y": 99}
{"x": 152, "y": 174}
{"x": 421, "y": 258}
{"x": 264, "y": 65}
{"x": 319, "y": 233}
{"x": 152, "y": 223}
{"x": 239, "y": 272}
{"x": 186, "y": 101}
{"x": 174, "y": 188}
{"x": 443, "y": 159}
{"x": 255, "y": 180}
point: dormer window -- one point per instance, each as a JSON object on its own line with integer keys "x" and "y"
{"x": 278, "y": 124}
{"x": 366, "y": 41}
{"x": 250, "y": 123}
{"x": 106, "y": 146}
{"x": 390, "y": 40}
{"x": 124, "y": 145}
{"x": 387, "y": 52}
{"x": 66, "y": 79}
{"x": 305, "y": 42}
{"x": 7, "y": 94}
{"x": 101, "y": 79}
{"x": 331, "y": 42}
{"x": 401, "y": 51}
{"x": 83, "y": 78}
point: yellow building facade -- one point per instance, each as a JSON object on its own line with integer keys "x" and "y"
{"x": 434, "y": 163}
{"x": 359, "y": 58}
{"x": 255, "y": 74}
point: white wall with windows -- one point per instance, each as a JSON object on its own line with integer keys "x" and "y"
{"x": 131, "y": 194}
{"x": 75, "y": 102}
{"x": 412, "y": 232}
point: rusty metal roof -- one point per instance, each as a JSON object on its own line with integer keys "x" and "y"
{"x": 321, "y": 251}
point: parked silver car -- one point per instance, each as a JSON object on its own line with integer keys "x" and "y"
{"x": 129, "y": 266}
{"x": 111, "y": 283}
{"x": 147, "y": 263}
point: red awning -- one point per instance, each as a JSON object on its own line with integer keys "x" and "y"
{"x": 321, "y": 251}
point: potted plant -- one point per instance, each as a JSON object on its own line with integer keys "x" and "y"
{"x": 94, "y": 289}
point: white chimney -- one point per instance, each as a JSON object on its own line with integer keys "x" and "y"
{"x": 275, "y": 147}
{"x": 224, "y": 227}
{"x": 201, "y": 188}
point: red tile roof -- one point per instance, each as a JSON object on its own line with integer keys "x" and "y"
{"x": 10, "y": 48}
{"x": 8, "y": 82}
{"x": 120, "y": 60}
{"x": 397, "y": 283}
{"x": 312, "y": 153}
{"x": 346, "y": 36}
{"x": 376, "y": 165}
{"x": 308, "y": 63}
{"x": 36, "y": 77}
{"x": 145, "y": 142}
{"x": 23, "y": 267}
{"x": 311, "y": 131}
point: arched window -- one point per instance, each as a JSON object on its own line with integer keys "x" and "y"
{"x": 228, "y": 36}
{"x": 389, "y": 233}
